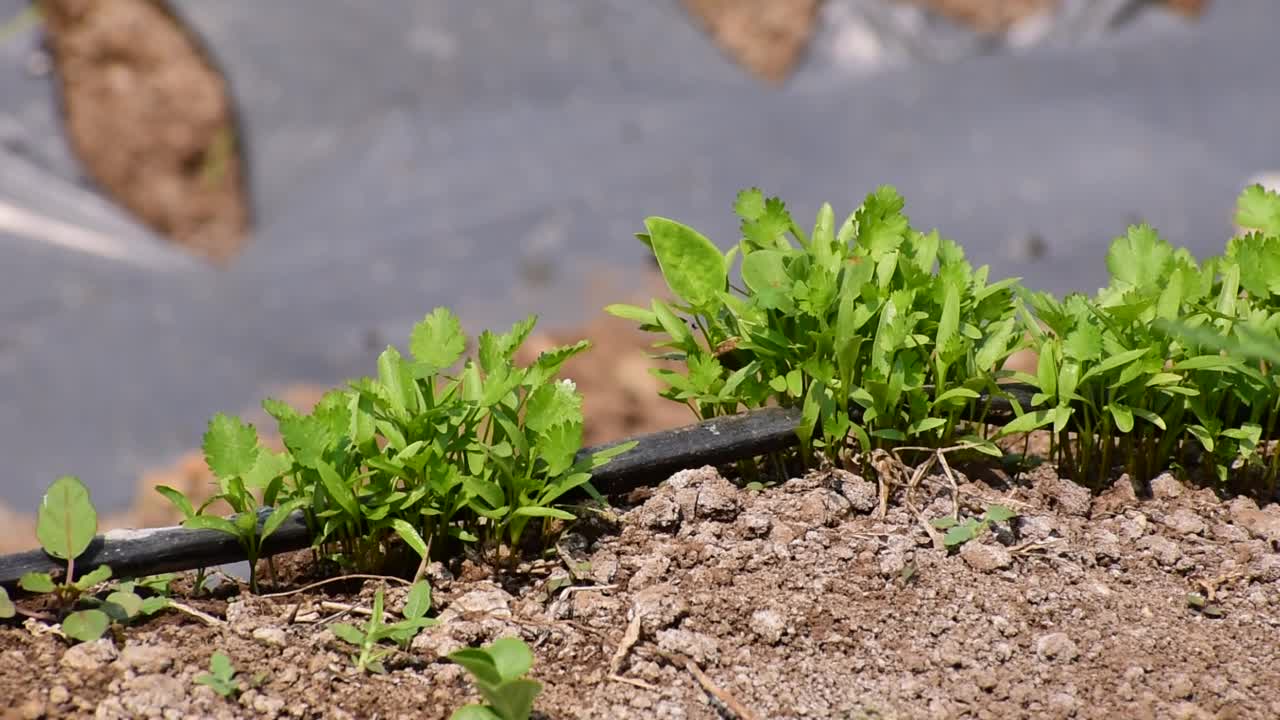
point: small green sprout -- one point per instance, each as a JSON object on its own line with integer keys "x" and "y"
{"x": 232, "y": 452}
{"x": 959, "y": 533}
{"x": 221, "y": 676}
{"x": 498, "y": 672}
{"x": 375, "y": 630}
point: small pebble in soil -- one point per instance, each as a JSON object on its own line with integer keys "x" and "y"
{"x": 659, "y": 606}
{"x": 1166, "y": 487}
{"x": 769, "y": 625}
{"x": 89, "y": 656}
{"x": 1165, "y": 551}
{"x": 986, "y": 558}
{"x": 1056, "y": 647}
{"x": 146, "y": 658}
{"x": 271, "y": 636}
{"x": 659, "y": 512}
{"x": 1185, "y": 522}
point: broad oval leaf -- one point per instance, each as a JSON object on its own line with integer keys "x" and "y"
{"x": 479, "y": 663}
{"x": 86, "y": 625}
{"x": 418, "y": 602}
{"x": 692, "y": 265}
{"x": 511, "y": 657}
{"x": 67, "y": 520}
{"x": 128, "y": 602}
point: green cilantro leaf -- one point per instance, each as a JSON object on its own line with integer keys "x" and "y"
{"x": 438, "y": 341}
{"x": 1140, "y": 259}
{"x": 230, "y": 446}
{"x": 1259, "y": 209}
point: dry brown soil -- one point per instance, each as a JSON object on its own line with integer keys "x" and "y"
{"x": 796, "y": 601}
{"x": 151, "y": 119}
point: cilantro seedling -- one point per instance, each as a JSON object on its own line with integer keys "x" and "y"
{"x": 221, "y": 676}
{"x": 241, "y": 466}
{"x": 498, "y": 672}
{"x": 418, "y": 454}
{"x": 959, "y": 533}
{"x": 369, "y": 637}
{"x": 869, "y": 314}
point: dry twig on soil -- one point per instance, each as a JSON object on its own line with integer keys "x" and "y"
{"x": 629, "y": 639}
{"x": 727, "y": 701}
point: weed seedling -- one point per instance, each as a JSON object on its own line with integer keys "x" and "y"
{"x": 221, "y": 676}
{"x": 498, "y": 672}
{"x": 959, "y": 533}
{"x": 369, "y": 637}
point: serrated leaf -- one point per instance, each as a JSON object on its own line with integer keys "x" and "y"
{"x": 1083, "y": 343}
{"x": 1259, "y": 209}
{"x": 553, "y": 404}
{"x": 1140, "y": 259}
{"x": 438, "y": 340}
{"x": 67, "y": 521}
{"x": 749, "y": 204}
{"x": 230, "y": 446}
{"x": 559, "y": 446}
{"x": 266, "y": 468}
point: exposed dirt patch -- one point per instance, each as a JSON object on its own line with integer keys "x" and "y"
{"x": 767, "y": 37}
{"x": 999, "y": 15}
{"x": 151, "y": 119}
{"x": 795, "y": 602}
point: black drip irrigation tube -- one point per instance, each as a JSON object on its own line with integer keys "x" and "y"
{"x": 656, "y": 456}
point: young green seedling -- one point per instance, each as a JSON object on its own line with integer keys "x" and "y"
{"x": 375, "y": 629}
{"x": 232, "y": 452}
{"x": 854, "y": 316}
{"x": 221, "y": 676}
{"x": 959, "y": 533}
{"x": 65, "y": 526}
{"x": 498, "y": 672}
